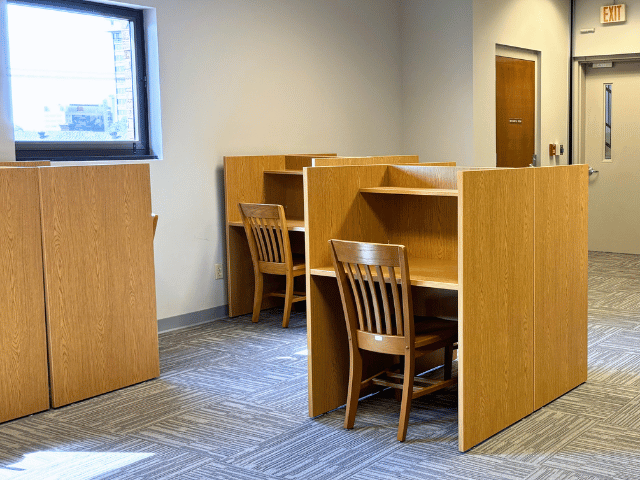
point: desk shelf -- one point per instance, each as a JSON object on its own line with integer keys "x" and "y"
{"x": 283, "y": 172}
{"x": 432, "y": 192}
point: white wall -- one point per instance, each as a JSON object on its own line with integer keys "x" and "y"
{"x": 245, "y": 77}
{"x": 7, "y": 148}
{"x": 537, "y": 25}
{"x": 611, "y": 39}
{"x": 437, "y": 80}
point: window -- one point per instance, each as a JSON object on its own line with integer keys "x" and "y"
{"x": 607, "y": 120}
{"x": 78, "y": 80}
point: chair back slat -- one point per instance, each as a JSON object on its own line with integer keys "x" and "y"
{"x": 267, "y": 234}
{"x": 388, "y": 322}
{"x": 274, "y": 251}
{"x": 393, "y": 286}
{"x": 378, "y": 304}
{"x": 372, "y": 295}
{"x": 357, "y": 300}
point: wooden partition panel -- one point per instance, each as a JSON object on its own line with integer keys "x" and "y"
{"x": 99, "y": 279}
{"x": 560, "y": 280}
{"x": 423, "y": 176}
{"x": 334, "y": 208}
{"x": 244, "y": 181}
{"x": 24, "y": 385}
{"x": 298, "y": 162}
{"x": 495, "y": 235}
{"x": 346, "y": 161}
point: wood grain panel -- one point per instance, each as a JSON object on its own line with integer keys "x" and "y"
{"x": 496, "y": 222}
{"x": 244, "y": 180}
{"x": 285, "y": 190}
{"x": 99, "y": 279}
{"x": 24, "y": 384}
{"x": 345, "y": 161}
{"x": 423, "y": 176}
{"x": 427, "y": 226}
{"x": 561, "y": 255}
{"x": 298, "y": 162}
{"x": 334, "y": 208}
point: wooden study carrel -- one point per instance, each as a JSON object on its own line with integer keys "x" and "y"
{"x": 503, "y": 250}
{"x": 272, "y": 179}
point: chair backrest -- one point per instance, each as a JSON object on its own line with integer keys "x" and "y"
{"x": 266, "y": 228}
{"x": 377, "y": 304}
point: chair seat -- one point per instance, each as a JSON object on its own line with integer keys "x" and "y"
{"x": 428, "y": 324}
{"x": 434, "y": 331}
{"x": 298, "y": 261}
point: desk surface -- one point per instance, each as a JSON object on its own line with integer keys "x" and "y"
{"x": 424, "y": 272}
{"x": 293, "y": 224}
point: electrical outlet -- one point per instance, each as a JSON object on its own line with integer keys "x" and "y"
{"x": 219, "y": 273}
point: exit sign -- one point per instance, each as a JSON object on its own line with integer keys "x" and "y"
{"x": 612, "y": 14}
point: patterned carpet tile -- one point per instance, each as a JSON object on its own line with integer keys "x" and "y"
{"x": 223, "y": 428}
{"x": 604, "y": 450}
{"x": 593, "y": 401}
{"x": 535, "y": 438}
{"x": 618, "y": 367}
{"x": 132, "y": 408}
{"x": 611, "y": 317}
{"x": 318, "y": 449}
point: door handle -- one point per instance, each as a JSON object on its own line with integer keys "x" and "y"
{"x": 592, "y": 171}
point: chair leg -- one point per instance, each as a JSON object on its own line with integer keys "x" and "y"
{"x": 257, "y": 296}
{"x": 353, "y": 392}
{"x": 448, "y": 361}
{"x": 407, "y": 396}
{"x": 288, "y": 300}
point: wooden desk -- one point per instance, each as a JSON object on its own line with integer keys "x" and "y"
{"x": 273, "y": 179}
{"x": 504, "y": 232}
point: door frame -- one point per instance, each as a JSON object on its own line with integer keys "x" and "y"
{"x": 579, "y": 72}
{"x": 531, "y": 55}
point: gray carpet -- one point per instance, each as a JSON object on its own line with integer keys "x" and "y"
{"x": 231, "y": 403}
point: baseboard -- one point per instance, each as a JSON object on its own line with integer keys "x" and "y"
{"x": 193, "y": 318}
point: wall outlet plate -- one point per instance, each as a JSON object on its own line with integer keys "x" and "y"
{"x": 219, "y": 272}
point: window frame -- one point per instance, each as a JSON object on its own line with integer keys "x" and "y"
{"x": 108, "y": 150}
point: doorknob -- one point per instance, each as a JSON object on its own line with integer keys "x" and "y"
{"x": 592, "y": 171}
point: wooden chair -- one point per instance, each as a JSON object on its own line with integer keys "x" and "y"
{"x": 379, "y": 316}
{"x": 266, "y": 228}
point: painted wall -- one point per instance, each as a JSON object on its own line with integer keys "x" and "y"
{"x": 7, "y": 149}
{"x": 437, "y": 80}
{"x": 537, "y": 25}
{"x": 247, "y": 77}
{"x": 610, "y": 39}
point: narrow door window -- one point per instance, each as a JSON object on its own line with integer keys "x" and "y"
{"x": 607, "y": 121}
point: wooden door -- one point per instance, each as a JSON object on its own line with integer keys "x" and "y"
{"x": 614, "y": 223}
{"x": 515, "y": 112}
